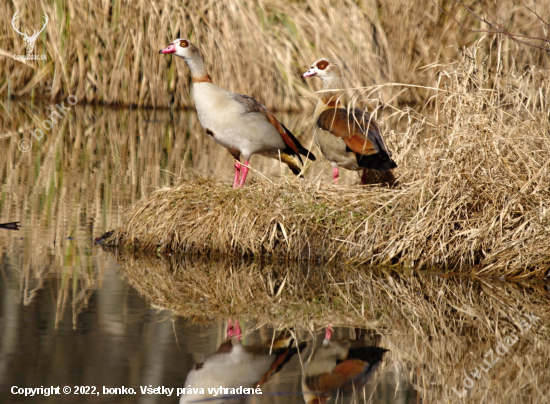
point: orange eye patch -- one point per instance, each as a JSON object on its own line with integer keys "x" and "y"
{"x": 184, "y": 43}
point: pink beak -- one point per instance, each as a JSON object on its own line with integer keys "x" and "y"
{"x": 309, "y": 73}
{"x": 169, "y": 49}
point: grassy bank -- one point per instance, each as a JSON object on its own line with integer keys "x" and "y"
{"x": 479, "y": 232}
{"x": 107, "y": 51}
{"x": 472, "y": 196}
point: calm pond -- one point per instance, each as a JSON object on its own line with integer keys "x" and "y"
{"x": 73, "y": 314}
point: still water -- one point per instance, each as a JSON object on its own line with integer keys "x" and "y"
{"x": 74, "y": 314}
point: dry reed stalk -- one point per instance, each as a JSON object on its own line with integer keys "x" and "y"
{"x": 107, "y": 52}
{"x": 67, "y": 190}
{"x": 473, "y": 195}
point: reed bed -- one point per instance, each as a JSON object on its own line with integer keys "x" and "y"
{"x": 472, "y": 197}
{"x": 438, "y": 328}
{"x": 107, "y": 51}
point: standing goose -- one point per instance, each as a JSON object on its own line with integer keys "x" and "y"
{"x": 237, "y": 122}
{"x": 347, "y": 137}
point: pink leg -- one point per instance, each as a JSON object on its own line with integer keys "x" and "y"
{"x": 237, "y": 174}
{"x": 328, "y": 332}
{"x": 234, "y": 329}
{"x": 244, "y": 172}
{"x": 335, "y": 175}
{"x": 364, "y": 177}
{"x": 238, "y": 331}
{"x": 230, "y": 331}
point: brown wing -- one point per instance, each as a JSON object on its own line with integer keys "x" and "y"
{"x": 341, "y": 376}
{"x": 348, "y": 375}
{"x": 356, "y": 128}
{"x": 252, "y": 105}
{"x": 274, "y": 368}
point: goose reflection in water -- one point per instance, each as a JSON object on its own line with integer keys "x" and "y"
{"x": 339, "y": 368}
{"x": 235, "y": 366}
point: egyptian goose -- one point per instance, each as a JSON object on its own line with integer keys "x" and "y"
{"x": 347, "y": 137}
{"x": 339, "y": 367}
{"x": 237, "y": 122}
{"x": 234, "y": 365}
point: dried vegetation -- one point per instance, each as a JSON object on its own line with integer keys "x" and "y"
{"x": 473, "y": 171}
{"x": 107, "y": 51}
{"x": 294, "y": 294}
{"x": 472, "y": 197}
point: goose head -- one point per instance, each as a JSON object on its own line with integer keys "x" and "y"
{"x": 325, "y": 69}
{"x": 182, "y": 48}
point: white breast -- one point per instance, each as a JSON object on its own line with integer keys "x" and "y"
{"x": 325, "y": 358}
{"x": 231, "y": 125}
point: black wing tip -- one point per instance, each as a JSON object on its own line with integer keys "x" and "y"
{"x": 301, "y": 149}
{"x": 371, "y": 354}
{"x": 309, "y": 155}
{"x": 296, "y": 171}
{"x": 389, "y": 165}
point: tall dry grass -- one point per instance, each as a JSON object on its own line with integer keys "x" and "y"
{"x": 438, "y": 329}
{"x": 107, "y": 51}
{"x": 473, "y": 192}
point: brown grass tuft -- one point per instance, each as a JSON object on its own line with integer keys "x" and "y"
{"x": 295, "y": 294}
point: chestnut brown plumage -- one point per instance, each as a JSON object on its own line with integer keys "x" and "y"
{"x": 347, "y": 137}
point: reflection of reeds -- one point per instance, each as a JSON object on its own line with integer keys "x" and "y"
{"x": 107, "y": 51}
{"x": 70, "y": 187}
{"x": 65, "y": 268}
{"x": 291, "y": 293}
{"x": 438, "y": 328}
{"x": 473, "y": 195}
{"x": 79, "y": 178}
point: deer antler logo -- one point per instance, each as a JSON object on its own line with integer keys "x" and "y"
{"x": 29, "y": 40}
